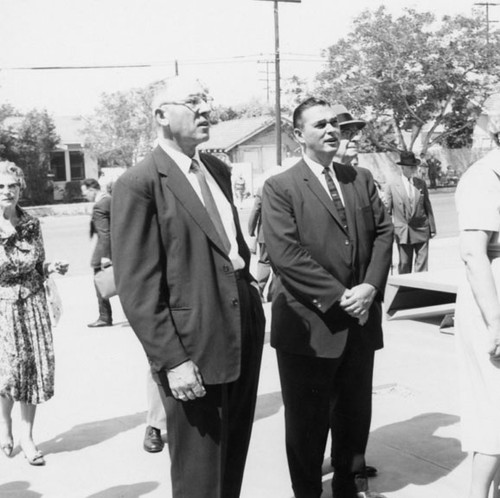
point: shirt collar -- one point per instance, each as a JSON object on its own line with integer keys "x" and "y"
{"x": 183, "y": 161}
{"x": 317, "y": 168}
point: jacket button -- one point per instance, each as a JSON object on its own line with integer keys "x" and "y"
{"x": 346, "y": 242}
{"x": 226, "y": 268}
{"x": 234, "y": 302}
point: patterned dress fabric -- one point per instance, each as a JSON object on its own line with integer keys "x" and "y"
{"x": 26, "y": 347}
{"x": 478, "y": 206}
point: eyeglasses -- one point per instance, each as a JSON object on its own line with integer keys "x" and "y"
{"x": 11, "y": 187}
{"x": 194, "y": 104}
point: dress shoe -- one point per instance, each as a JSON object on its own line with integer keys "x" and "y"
{"x": 371, "y": 471}
{"x": 99, "y": 323}
{"x": 369, "y": 494}
{"x": 153, "y": 443}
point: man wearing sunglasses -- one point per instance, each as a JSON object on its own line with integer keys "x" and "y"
{"x": 182, "y": 273}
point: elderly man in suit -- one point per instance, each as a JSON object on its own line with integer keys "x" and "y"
{"x": 329, "y": 239}
{"x": 182, "y": 274}
{"x": 101, "y": 256}
{"x": 407, "y": 199}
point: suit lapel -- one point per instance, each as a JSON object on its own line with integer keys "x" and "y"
{"x": 312, "y": 182}
{"x": 404, "y": 197}
{"x": 175, "y": 180}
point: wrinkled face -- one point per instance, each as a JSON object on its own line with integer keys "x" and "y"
{"x": 348, "y": 149}
{"x": 319, "y": 134}
{"x": 184, "y": 115}
{"x": 89, "y": 193}
{"x": 10, "y": 190}
{"x": 409, "y": 171}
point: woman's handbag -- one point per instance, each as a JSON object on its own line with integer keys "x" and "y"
{"x": 53, "y": 300}
{"x": 105, "y": 282}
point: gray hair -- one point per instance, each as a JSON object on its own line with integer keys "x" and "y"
{"x": 9, "y": 168}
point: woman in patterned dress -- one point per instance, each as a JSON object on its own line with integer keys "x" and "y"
{"x": 26, "y": 351}
{"x": 477, "y": 316}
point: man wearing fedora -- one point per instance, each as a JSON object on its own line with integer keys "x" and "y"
{"x": 347, "y": 152}
{"x": 407, "y": 200}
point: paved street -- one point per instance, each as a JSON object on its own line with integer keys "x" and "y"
{"x": 91, "y": 431}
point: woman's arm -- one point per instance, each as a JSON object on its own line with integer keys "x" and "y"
{"x": 473, "y": 247}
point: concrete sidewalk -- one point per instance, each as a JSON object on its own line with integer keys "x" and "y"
{"x": 92, "y": 430}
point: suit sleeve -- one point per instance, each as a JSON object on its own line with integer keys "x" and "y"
{"x": 381, "y": 255}
{"x": 428, "y": 208}
{"x": 139, "y": 262}
{"x": 101, "y": 220}
{"x": 302, "y": 275}
{"x": 255, "y": 213}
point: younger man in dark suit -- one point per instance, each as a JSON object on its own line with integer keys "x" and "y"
{"x": 101, "y": 256}
{"x": 329, "y": 239}
{"x": 182, "y": 274}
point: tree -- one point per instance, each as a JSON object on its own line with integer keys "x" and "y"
{"x": 411, "y": 72}
{"x": 28, "y": 143}
{"x": 121, "y": 129}
{"x": 36, "y": 139}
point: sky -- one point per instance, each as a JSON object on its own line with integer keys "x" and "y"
{"x": 219, "y": 41}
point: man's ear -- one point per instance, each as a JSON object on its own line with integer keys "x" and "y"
{"x": 298, "y": 135}
{"x": 161, "y": 117}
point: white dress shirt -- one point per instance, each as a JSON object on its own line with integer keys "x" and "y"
{"x": 223, "y": 205}
{"x": 317, "y": 169}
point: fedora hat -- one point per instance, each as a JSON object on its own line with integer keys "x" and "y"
{"x": 408, "y": 159}
{"x": 345, "y": 119}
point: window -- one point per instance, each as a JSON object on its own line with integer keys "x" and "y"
{"x": 58, "y": 166}
{"x": 77, "y": 165}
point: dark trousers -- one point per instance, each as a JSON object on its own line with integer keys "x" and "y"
{"x": 407, "y": 252}
{"x": 319, "y": 393}
{"x": 208, "y": 438}
{"x": 105, "y": 313}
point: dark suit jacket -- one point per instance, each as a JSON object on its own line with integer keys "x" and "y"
{"x": 411, "y": 226}
{"x": 316, "y": 260}
{"x": 255, "y": 219}
{"x": 100, "y": 226}
{"x": 176, "y": 285}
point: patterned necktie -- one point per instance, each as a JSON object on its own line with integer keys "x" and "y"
{"x": 210, "y": 205}
{"x": 337, "y": 201}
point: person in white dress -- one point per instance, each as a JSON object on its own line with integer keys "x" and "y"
{"x": 477, "y": 316}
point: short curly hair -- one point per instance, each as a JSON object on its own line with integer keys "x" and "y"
{"x": 10, "y": 168}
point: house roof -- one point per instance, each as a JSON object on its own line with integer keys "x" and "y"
{"x": 228, "y": 134}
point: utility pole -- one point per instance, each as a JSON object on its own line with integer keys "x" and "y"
{"x": 487, "y": 5}
{"x": 277, "y": 77}
{"x": 176, "y": 67}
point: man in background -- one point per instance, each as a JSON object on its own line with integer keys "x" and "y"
{"x": 407, "y": 200}
{"x": 101, "y": 255}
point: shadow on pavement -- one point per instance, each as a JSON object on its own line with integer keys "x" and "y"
{"x": 126, "y": 490}
{"x": 409, "y": 452}
{"x": 268, "y": 405}
{"x": 18, "y": 489}
{"x": 91, "y": 433}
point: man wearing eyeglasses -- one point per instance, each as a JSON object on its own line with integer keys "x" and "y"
{"x": 329, "y": 239}
{"x": 182, "y": 273}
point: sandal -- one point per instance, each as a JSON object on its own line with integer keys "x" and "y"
{"x": 7, "y": 449}
{"x": 37, "y": 459}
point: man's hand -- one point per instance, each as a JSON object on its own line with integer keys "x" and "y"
{"x": 185, "y": 381}
{"x": 357, "y": 301}
{"x": 494, "y": 342}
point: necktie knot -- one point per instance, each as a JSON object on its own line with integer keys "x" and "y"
{"x": 195, "y": 167}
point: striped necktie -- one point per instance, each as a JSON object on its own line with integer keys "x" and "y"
{"x": 337, "y": 201}
{"x": 210, "y": 206}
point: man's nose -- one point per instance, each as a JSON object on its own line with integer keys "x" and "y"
{"x": 204, "y": 107}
